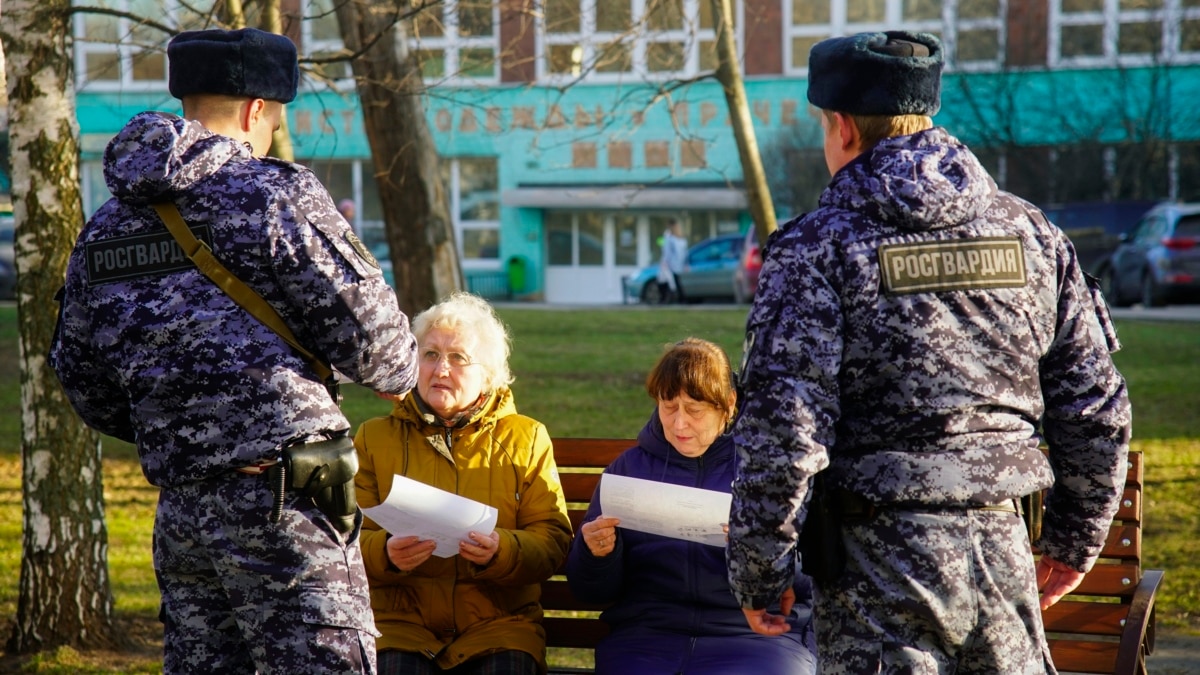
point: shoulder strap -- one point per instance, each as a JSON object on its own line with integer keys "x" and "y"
{"x": 200, "y": 254}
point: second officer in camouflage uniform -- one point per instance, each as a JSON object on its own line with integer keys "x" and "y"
{"x": 914, "y": 338}
{"x": 151, "y": 351}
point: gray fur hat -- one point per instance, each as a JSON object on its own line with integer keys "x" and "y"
{"x": 889, "y": 73}
{"x": 247, "y": 62}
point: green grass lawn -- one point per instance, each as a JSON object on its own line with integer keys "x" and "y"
{"x": 581, "y": 373}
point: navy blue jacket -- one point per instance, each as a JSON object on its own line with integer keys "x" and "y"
{"x": 665, "y": 584}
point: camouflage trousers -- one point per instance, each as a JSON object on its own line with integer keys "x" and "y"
{"x": 244, "y": 595}
{"x": 947, "y": 591}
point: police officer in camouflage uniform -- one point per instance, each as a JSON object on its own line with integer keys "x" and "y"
{"x": 151, "y": 351}
{"x": 914, "y": 339}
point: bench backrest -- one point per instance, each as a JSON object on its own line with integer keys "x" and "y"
{"x": 568, "y": 622}
{"x": 1085, "y": 629}
{"x": 1115, "y": 599}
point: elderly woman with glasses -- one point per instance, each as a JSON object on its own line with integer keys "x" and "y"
{"x": 477, "y": 611}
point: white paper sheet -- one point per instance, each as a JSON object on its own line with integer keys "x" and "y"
{"x": 414, "y": 508}
{"x": 664, "y": 509}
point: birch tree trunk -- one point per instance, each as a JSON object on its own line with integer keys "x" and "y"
{"x": 64, "y": 596}
{"x": 416, "y": 210}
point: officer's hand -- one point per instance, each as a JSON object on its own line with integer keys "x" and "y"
{"x": 772, "y": 624}
{"x": 407, "y": 553}
{"x": 1055, "y": 580}
{"x": 600, "y": 535}
{"x": 481, "y": 548}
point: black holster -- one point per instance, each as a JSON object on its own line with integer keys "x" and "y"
{"x": 822, "y": 551}
{"x": 322, "y": 471}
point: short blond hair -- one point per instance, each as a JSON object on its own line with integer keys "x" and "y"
{"x": 473, "y": 317}
{"x": 875, "y": 128}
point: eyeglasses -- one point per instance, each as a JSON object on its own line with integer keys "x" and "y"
{"x": 454, "y": 360}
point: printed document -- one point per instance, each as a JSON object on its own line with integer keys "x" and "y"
{"x": 664, "y": 509}
{"x": 414, "y": 508}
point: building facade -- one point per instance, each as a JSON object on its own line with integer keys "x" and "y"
{"x": 572, "y": 130}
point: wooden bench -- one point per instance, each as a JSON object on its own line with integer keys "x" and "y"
{"x": 1105, "y": 626}
{"x": 570, "y": 623}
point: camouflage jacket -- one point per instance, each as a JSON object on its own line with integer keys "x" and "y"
{"x": 151, "y": 351}
{"x": 919, "y": 334}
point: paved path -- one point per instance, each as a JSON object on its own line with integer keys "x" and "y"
{"x": 1168, "y": 313}
{"x": 1175, "y": 654}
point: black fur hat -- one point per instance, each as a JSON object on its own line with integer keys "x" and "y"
{"x": 247, "y": 62}
{"x": 890, "y": 73}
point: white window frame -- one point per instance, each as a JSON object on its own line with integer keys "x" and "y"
{"x": 947, "y": 27}
{"x": 1170, "y": 16}
{"x": 125, "y": 50}
{"x": 313, "y": 47}
{"x": 452, "y": 44}
{"x": 590, "y": 41}
{"x": 460, "y": 226}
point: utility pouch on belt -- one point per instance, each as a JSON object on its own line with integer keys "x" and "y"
{"x": 322, "y": 471}
{"x": 822, "y": 552}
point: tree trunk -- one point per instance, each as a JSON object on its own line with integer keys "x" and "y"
{"x": 416, "y": 211}
{"x": 281, "y": 139}
{"x": 64, "y": 596}
{"x": 729, "y": 74}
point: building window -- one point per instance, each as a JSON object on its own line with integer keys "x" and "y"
{"x": 474, "y": 187}
{"x": 322, "y": 38}
{"x": 1186, "y": 172}
{"x": 574, "y": 240}
{"x": 972, "y": 31}
{"x": 91, "y": 181}
{"x": 458, "y": 40}
{"x": 607, "y": 40}
{"x": 1126, "y": 32}
{"x": 472, "y": 182}
{"x": 117, "y": 53}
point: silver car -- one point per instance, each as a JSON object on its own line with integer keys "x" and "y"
{"x": 1159, "y": 261}
{"x": 709, "y": 273}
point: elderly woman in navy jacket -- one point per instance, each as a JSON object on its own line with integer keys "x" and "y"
{"x": 671, "y": 608}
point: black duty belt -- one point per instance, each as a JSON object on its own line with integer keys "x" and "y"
{"x": 850, "y": 505}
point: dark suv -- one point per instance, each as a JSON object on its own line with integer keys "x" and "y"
{"x": 1157, "y": 261}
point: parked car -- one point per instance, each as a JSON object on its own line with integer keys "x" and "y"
{"x": 745, "y": 277}
{"x": 1095, "y": 228}
{"x": 8, "y": 264}
{"x": 709, "y": 273}
{"x": 1159, "y": 260}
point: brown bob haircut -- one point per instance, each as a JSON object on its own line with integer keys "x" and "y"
{"x": 697, "y": 368}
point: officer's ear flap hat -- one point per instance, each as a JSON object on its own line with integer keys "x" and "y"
{"x": 246, "y": 63}
{"x": 890, "y": 73}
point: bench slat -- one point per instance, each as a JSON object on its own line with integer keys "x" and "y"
{"x": 1118, "y": 580}
{"x": 594, "y": 453}
{"x": 578, "y": 487}
{"x": 562, "y": 631}
{"x": 556, "y": 594}
{"x": 1124, "y": 542}
{"x": 1086, "y": 618}
{"x": 1079, "y": 656}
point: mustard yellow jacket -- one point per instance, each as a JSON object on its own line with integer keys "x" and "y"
{"x": 448, "y": 608}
